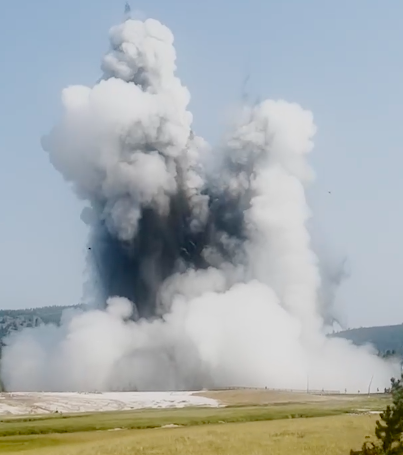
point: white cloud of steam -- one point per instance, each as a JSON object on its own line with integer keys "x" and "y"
{"x": 251, "y": 323}
{"x": 103, "y": 142}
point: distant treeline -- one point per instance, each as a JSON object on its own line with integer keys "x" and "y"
{"x": 388, "y": 340}
{"x": 48, "y": 314}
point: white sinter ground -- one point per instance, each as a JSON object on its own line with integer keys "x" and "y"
{"x": 22, "y": 403}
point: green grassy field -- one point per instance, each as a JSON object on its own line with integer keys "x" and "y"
{"x": 315, "y": 428}
{"x": 318, "y": 435}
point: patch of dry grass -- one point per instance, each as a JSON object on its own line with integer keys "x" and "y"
{"x": 256, "y": 422}
{"x": 315, "y": 436}
{"x": 259, "y": 397}
{"x": 154, "y": 418}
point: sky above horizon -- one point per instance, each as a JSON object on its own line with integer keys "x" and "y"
{"x": 342, "y": 60}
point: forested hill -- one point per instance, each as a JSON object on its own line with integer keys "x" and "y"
{"x": 11, "y": 320}
{"x": 384, "y": 338}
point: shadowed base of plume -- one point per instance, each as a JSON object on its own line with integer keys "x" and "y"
{"x": 162, "y": 246}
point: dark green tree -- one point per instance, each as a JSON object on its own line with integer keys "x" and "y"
{"x": 389, "y": 430}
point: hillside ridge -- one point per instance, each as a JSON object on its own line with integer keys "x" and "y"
{"x": 384, "y": 338}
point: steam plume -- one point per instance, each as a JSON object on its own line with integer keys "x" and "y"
{"x": 202, "y": 255}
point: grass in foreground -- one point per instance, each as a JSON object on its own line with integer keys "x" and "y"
{"x": 154, "y": 418}
{"x": 202, "y": 431}
{"x": 316, "y": 436}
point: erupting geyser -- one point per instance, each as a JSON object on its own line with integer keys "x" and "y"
{"x": 201, "y": 254}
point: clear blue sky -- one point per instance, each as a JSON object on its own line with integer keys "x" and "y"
{"x": 341, "y": 59}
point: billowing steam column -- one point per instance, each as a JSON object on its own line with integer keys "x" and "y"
{"x": 206, "y": 273}
{"x": 127, "y": 146}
